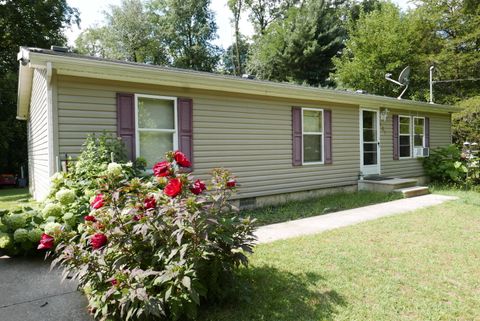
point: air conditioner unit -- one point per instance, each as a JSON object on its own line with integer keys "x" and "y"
{"x": 421, "y": 152}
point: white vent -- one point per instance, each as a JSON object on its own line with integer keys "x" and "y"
{"x": 421, "y": 152}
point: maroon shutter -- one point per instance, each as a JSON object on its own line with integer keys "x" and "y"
{"x": 185, "y": 127}
{"x": 427, "y": 132}
{"x": 126, "y": 122}
{"x": 327, "y": 114}
{"x": 296, "y": 136}
{"x": 395, "y": 129}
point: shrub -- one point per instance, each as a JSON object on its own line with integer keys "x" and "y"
{"x": 19, "y": 231}
{"x": 440, "y": 165}
{"x": 452, "y": 165}
{"x": 156, "y": 247}
{"x": 69, "y": 196}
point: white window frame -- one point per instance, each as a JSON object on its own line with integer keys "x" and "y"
{"x": 410, "y": 136}
{"x": 138, "y": 130}
{"x": 322, "y": 133}
{"x": 423, "y": 134}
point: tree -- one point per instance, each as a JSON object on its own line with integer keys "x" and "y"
{"x": 378, "y": 44}
{"x": 466, "y": 124}
{"x": 236, "y": 8}
{"x": 299, "y": 48}
{"x": 230, "y": 61}
{"x": 24, "y": 23}
{"x": 129, "y": 34}
{"x": 264, "y": 12}
{"x": 448, "y": 33}
{"x": 187, "y": 27}
{"x": 444, "y": 33}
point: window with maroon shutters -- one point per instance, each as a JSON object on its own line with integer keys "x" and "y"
{"x": 151, "y": 125}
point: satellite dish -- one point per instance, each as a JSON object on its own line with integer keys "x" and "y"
{"x": 403, "y": 80}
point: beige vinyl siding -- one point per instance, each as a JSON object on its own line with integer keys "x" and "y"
{"x": 440, "y": 135}
{"x": 37, "y": 129}
{"x": 250, "y": 137}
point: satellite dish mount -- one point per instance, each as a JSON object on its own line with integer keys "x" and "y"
{"x": 402, "y": 80}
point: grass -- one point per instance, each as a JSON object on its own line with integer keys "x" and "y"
{"x": 421, "y": 265}
{"x": 326, "y": 204}
{"x": 14, "y": 198}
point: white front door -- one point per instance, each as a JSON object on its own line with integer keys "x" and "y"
{"x": 369, "y": 142}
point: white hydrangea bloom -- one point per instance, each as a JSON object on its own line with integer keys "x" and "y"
{"x": 57, "y": 178}
{"x": 65, "y": 196}
{"x": 52, "y": 228}
{"x": 114, "y": 169}
{"x": 20, "y": 235}
{"x": 52, "y": 209}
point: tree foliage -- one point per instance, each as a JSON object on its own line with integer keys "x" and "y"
{"x": 236, "y": 6}
{"x": 129, "y": 34}
{"x": 444, "y": 33}
{"x": 466, "y": 124}
{"x": 448, "y": 35}
{"x": 187, "y": 28}
{"x": 264, "y": 12}
{"x": 300, "y": 47}
{"x": 377, "y": 45}
{"x": 230, "y": 61}
{"x": 24, "y": 23}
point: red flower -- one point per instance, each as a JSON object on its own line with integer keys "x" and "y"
{"x": 98, "y": 201}
{"x": 198, "y": 187}
{"x": 98, "y": 240}
{"x": 114, "y": 282}
{"x": 231, "y": 183}
{"x": 149, "y": 202}
{"x": 161, "y": 169}
{"x": 90, "y": 218}
{"x": 181, "y": 159}
{"x": 173, "y": 188}
{"x": 137, "y": 217}
{"x": 46, "y": 242}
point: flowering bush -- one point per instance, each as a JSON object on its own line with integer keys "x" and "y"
{"x": 19, "y": 232}
{"x": 69, "y": 197}
{"x": 155, "y": 247}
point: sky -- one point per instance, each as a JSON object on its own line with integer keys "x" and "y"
{"x": 91, "y": 13}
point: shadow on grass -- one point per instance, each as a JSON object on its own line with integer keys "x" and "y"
{"x": 13, "y": 194}
{"x": 265, "y": 293}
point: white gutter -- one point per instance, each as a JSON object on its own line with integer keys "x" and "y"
{"x": 25, "y": 79}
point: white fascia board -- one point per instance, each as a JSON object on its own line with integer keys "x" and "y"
{"x": 147, "y": 74}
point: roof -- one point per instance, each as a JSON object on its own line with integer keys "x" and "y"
{"x": 71, "y": 64}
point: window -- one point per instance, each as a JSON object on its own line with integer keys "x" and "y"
{"x": 419, "y": 132}
{"x": 312, "y": 131}
{"x": 405, "y": 136}
{"x": 156, "y": 127}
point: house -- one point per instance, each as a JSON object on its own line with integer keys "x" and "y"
{"x": 281, "y": 140}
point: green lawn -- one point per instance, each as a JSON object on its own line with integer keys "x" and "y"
{"x": 423, "y": 265}
{"x": 12, "y": 198}
{"x": 318, "y": 206}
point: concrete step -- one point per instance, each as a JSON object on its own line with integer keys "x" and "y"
{"x": 413, "y": 191}
{"x": 387, "y": 185}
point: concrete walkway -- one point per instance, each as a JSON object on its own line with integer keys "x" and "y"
{"x": 317, "y": 224}
{"x": 29, "y": 291}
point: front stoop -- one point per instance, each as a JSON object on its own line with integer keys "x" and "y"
{"x": 407, "y": 186}
{"x": 413, "y": 191}
{"x": 386, "y": 185}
